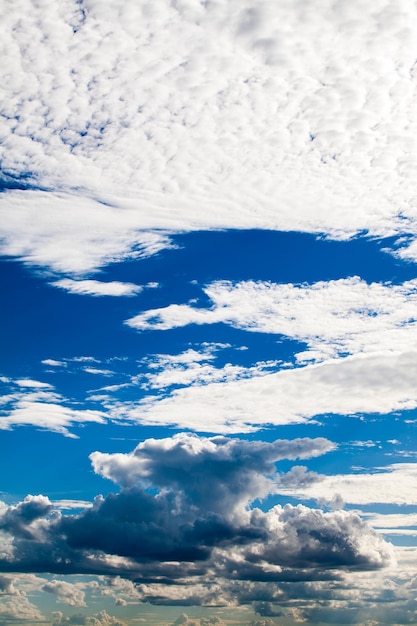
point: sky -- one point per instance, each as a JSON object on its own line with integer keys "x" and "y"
{"x": 208, "y": 240}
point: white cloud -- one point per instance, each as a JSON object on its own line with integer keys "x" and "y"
{"x": 98, "y": 288}
{"x": 218, "y": 478}
{"x": 102, "y": 618}
{"x": 49, "y": 416}
{"x": 54, "y": 363}
{"x": 306, "y": 114}
{"x": 368, "y": 383}
{"x": 339, "y": 316}
{"x": 35, "y": 384}
{"x": 71, "y": 594}
{"x": 204, "y": 621}
{"x": 17, "y": 608}
{"x": 392, "y": 484}
{"x": 97, "y": 372}
{"x": 67, "y": 504}
{"x": 193, "y": 367}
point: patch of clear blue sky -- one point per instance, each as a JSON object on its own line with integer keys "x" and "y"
{"x": 40, "y": 322}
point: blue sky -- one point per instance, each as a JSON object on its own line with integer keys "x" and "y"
{"x": 208, "y": 405}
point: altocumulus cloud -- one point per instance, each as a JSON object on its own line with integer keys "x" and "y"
{"x": 167, "y": 523}
{"x": 104, "y": 97}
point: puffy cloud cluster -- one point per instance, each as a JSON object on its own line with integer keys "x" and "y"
{"x": 305, "y": 111}
{"x": 102, "y": 618}
{"x": 15, "y": 605}
{"x": 184, "y": 514}
{"x": 216, "y": 474}
{"x": 67, "y": 593}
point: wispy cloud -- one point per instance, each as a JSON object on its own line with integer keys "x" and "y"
{"x": 391, "y": 484}
{"x": 37, "y": 404}
{"x": 379, "y": 382}
{"x": 336, "y": 317}
{"x": 98, "y": 288}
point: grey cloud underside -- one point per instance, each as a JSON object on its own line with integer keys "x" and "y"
{"x": 189, "y": 531}
{"x": 305, "y": 111}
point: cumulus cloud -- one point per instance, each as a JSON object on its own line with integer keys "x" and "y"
{"x": 217, "y": 473}
{"x": 67, "y": 593}
{"x": 102, "y": 618}
{"x": 98, "y": 288}
{"x": 185, "y": 514}
{"x": 15, "y": 605}
{"x": 296, "y": 106}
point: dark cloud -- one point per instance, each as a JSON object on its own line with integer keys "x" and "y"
{"x": 196, "y": 525}
{"x": 267, "y": 609}
{"x": 20, "y": 520}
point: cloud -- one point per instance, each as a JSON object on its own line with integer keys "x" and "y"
{"x": 97, "y": 372}
{"x": 392, "y": 484}
{"x": 102, "y": 618}
{"x": 108, "y": 107}
{"x": 54, "y": 363}
{"x": 345, "y": 316}
{"x": 98, "y": 288}
{"x": 193, "y": 367}
{"x": 33, "y": 403}
{"x": 203, "y": 621}
{"x": 379, "y": 382}
{"x": 217, "y": 473}
{"x": 34, "y": 384}
{"x": 49, "y": 416}
{"x": 26, "y": 518}
{"x": 67, "y": 593}
{"x": 193, "y": 521}
{"x": 15, "y": 605}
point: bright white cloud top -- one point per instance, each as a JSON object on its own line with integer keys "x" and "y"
{"x": 241, "y": 441}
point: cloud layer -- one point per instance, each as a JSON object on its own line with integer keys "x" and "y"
{"x": 305, "y": 111}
